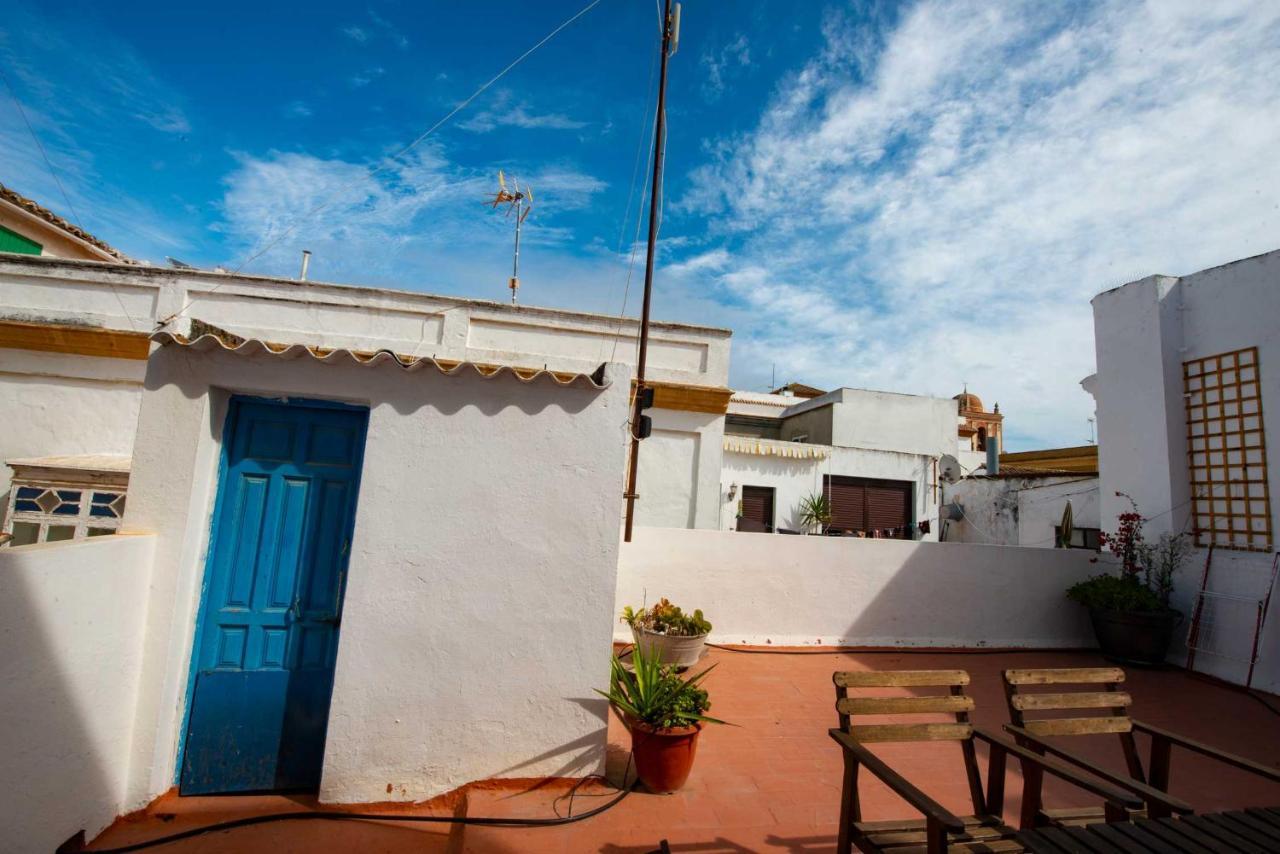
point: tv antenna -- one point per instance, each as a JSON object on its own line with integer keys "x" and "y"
{"x": 520, "y": 203}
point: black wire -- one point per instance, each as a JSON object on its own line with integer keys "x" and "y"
{"x": 889, "y": 650}
{"x": 385, "y": 817}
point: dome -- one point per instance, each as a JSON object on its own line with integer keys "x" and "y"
{"x": 969, "y": 402}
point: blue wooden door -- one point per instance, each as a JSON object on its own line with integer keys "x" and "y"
{"x": 267, "y": 637}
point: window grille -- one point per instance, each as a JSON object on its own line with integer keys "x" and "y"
{"x": 49, "y": 503}
{"x": 1226, "y": 451}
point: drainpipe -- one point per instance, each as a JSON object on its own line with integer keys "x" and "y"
{"x": 993, "y": 455}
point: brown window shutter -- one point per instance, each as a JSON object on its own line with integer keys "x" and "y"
{"x": 757, "y": 505}
{"x": 868, "y": 505}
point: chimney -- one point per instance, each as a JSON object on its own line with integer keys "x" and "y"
{"x": 306, "y": 262}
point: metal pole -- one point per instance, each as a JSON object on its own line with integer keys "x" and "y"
{"x": 515, "y": 263}
{"x": 660, "y": 129}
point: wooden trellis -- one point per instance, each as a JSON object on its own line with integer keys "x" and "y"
{"x": 1226, "y": 451}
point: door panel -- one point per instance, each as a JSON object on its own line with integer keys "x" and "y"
{"x": 267, "y": 639}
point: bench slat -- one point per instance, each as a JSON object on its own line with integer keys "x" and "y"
{"x": 1078, "y": 726}
{"x": 1064, "y": 676}
{"x": 911, "y": 732}
{"x": 904, "y": 705}
{"x": 898, "y": 678}
{"x": 1082, "y": 700}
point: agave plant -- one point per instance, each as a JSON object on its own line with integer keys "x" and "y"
{"x": 815, "y": 511}
{"x": 655, "y": 694}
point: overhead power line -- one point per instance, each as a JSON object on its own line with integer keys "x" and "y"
{"x": 390, "y": 160}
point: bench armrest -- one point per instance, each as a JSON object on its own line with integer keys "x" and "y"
{"x": 1063, "y": 771}
{"x": 1147, "y": 793}
{"x": 1211, "y": 752}
{"x": 926, "y": 805}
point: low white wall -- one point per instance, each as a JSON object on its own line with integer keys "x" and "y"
{"x": 71, "y": 629}
{"x": 784, "y": 590}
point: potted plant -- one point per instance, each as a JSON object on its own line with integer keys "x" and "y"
{"x": 668, "y": 633}
{"x": 1131, "y": 616}
{"x": 815, "y": 512}
{"x": 664, "y": 714}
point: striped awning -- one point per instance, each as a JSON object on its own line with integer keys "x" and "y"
{"x": 775, "y": 448}
{"x": 208, "y": 337}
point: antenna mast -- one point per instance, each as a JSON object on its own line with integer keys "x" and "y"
{"x": 670, "y": 38}
{"x": 519, "y": 202}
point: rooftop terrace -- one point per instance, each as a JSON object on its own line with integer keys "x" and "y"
{"x": 772, "y": 783}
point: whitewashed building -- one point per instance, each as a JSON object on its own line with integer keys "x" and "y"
{"x": 873, "y": 454}
{"x": 1187, "y": 391}
{"x": 305, "y": 461}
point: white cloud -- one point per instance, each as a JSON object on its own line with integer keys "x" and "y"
{"x": 297, "y": 110}
{"x": 359, "y": 35}
{"x": 722, "y": 64}
{"x": 519, "y": 116}
{"x": 364, "y": 78}
{"x": 370, "y": 229}
{"x": 940, "y": 206}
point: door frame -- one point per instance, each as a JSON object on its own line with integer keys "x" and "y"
{"x": 233, "y": 402}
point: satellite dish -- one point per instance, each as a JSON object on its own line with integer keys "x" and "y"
{"x": 949, "y": 469}
{"x": 953, "y": 511}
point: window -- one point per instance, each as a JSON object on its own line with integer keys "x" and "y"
{"x": 869, "y": 507}
{"x": 755, "y": 509}
{"x": 11, "y": 241}
{"x": 54, "y": 511}
{"x": 1081, "y": 538}
{"x": 1226, "y": 451}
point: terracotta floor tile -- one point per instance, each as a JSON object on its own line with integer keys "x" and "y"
{"x": 771, "y": 784}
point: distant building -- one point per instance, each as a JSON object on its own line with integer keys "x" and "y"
{"x": 1188, "y": 404}
{"x": 29, "y": 228}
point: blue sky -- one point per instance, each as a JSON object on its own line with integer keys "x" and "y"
{"x": 904, "y": 196}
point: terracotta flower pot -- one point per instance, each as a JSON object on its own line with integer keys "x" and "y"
{"x": 664, "y": 757}
{"x": 1134, "y": 638}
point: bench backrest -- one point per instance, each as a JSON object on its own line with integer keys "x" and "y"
{"x": 881, "y": 704}
{"x": 1095, "y": 704}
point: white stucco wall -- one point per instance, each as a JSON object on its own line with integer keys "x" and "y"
{"x": 1144, "y": 331}
{"x": 679, "y": 470}
{"x": 55, "y": 403}
{"x": 1020, "y": 511}
{"x": 72, "y": 616}
{"x": 794, "y": 479}
{"x": 487, "y": 523}
{"x": 770, "y": 589}
{"x": 887, "y": 421}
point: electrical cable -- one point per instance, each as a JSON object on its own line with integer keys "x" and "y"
{"x": 484, "y": 821}
{"x": 390, "y": 159}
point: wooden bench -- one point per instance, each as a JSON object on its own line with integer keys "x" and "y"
{"x": 1101, "y": 708}
{"x": 939, "y": 830}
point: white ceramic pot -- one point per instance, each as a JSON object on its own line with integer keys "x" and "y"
{"x": 670, "y": 649}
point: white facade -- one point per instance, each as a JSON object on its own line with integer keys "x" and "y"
{"x": 1144, "y": 333}
{"x": 1013, "y": 510}
{"x": 54, "y": 390}
{"x": 846, "y": 432}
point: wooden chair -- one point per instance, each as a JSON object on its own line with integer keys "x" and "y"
{"x": 1102, "y": 694}
{"x": 939, "y": 830}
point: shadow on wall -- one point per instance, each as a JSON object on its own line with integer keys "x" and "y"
{"x": 69, "y": 652}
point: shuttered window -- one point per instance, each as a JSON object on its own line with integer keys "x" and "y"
{"x": 869, "y": 505}
{"x": 757, "y": 508}
{"x": 11, "y": 241}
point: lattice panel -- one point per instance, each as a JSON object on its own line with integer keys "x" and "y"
{"x": 1226, "y": 451}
